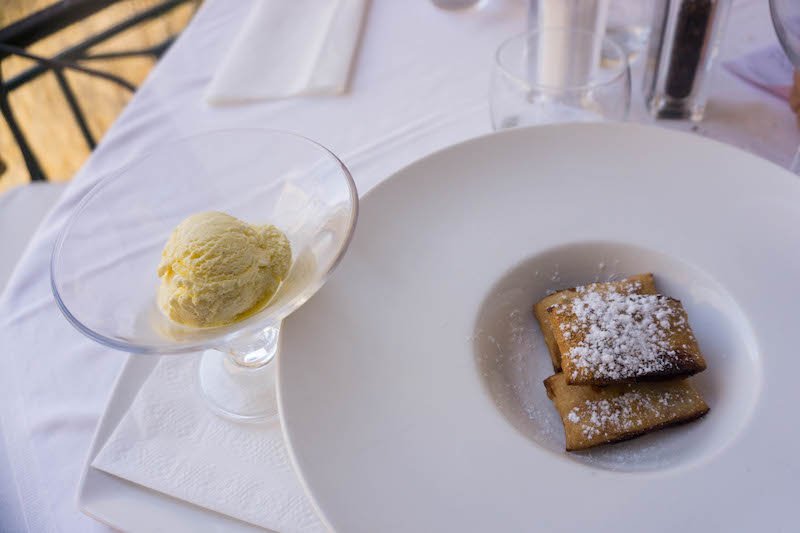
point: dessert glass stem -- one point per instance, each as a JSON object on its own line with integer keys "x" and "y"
{"x": 238, "y": 383}
{"x": 257, "y": 351}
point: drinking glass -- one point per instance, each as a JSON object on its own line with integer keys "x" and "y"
{"x": 628, "y": 24}
{"x": 103, "y": 267}
{"x": 458, "y": 5}
{"x": 559, "y": 75}
{"x": 786, "y": 19}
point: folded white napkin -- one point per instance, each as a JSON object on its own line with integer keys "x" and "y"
{"x": 170, "y": 441}
{"x": 289, "y": 48}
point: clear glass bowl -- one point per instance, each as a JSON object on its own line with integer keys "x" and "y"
{"x": 559, "y": 75}
{"x": 103, "y": 267}
{"x": 786, "y": 19}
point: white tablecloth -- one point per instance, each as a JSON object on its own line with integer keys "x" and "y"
{"x": 420, "y": 83}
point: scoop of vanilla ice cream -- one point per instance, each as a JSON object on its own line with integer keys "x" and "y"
{"x": 216, "y": 269}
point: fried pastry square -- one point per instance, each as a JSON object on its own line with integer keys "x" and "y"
{"x": 606, "y": 336}
{"x": 602, "y": 415}
{"x": 640, "y": 284}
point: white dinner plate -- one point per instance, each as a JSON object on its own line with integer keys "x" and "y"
{"x": 410, "y": 386}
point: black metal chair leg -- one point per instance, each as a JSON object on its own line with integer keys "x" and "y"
{"x": 75, "y": 107}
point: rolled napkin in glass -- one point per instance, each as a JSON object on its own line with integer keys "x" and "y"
{"x": 561, "y": 59}
{"x": 285, "y": 49}
{"x": 169, "y": 441}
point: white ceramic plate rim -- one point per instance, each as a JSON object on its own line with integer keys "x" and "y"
{"x": 777, "y": 175}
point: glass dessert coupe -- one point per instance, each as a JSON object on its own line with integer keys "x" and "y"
{"x": 103, "y": 267}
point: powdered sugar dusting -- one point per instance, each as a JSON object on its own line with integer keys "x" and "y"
{"x": 556, "y": 274}
{"x": 620, "y": 335}
{"x": 512, "y": 359}
{"x": 509, "y": 351}
{"x": 623, "y": 414}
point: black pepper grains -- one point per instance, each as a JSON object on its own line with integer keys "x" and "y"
{"x": 692, "y": 29}
{"x": 684, "y": 38}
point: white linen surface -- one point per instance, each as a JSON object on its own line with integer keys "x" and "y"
{"x": 302, "y": 47}
{"x": 421, "y": 84}
{"x": 21, "y": 211}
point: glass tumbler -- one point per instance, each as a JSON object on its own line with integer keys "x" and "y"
{"x": 559, "y": 75}
{"x": 629, "y": 25}
{"x": 786, "y": 19}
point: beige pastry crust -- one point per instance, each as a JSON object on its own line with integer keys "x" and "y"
{"x": 624, "y": 353}
{"x": 602, "y": 415}
{"x": 640, "y": 283}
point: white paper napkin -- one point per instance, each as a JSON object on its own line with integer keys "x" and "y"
{"x": 170, "y": 441}
{"x": 289, "y": 48}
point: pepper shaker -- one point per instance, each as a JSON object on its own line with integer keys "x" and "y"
{"x": 684, "y": 39}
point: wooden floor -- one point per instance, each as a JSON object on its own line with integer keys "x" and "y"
{"x": 40, "y": 107}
